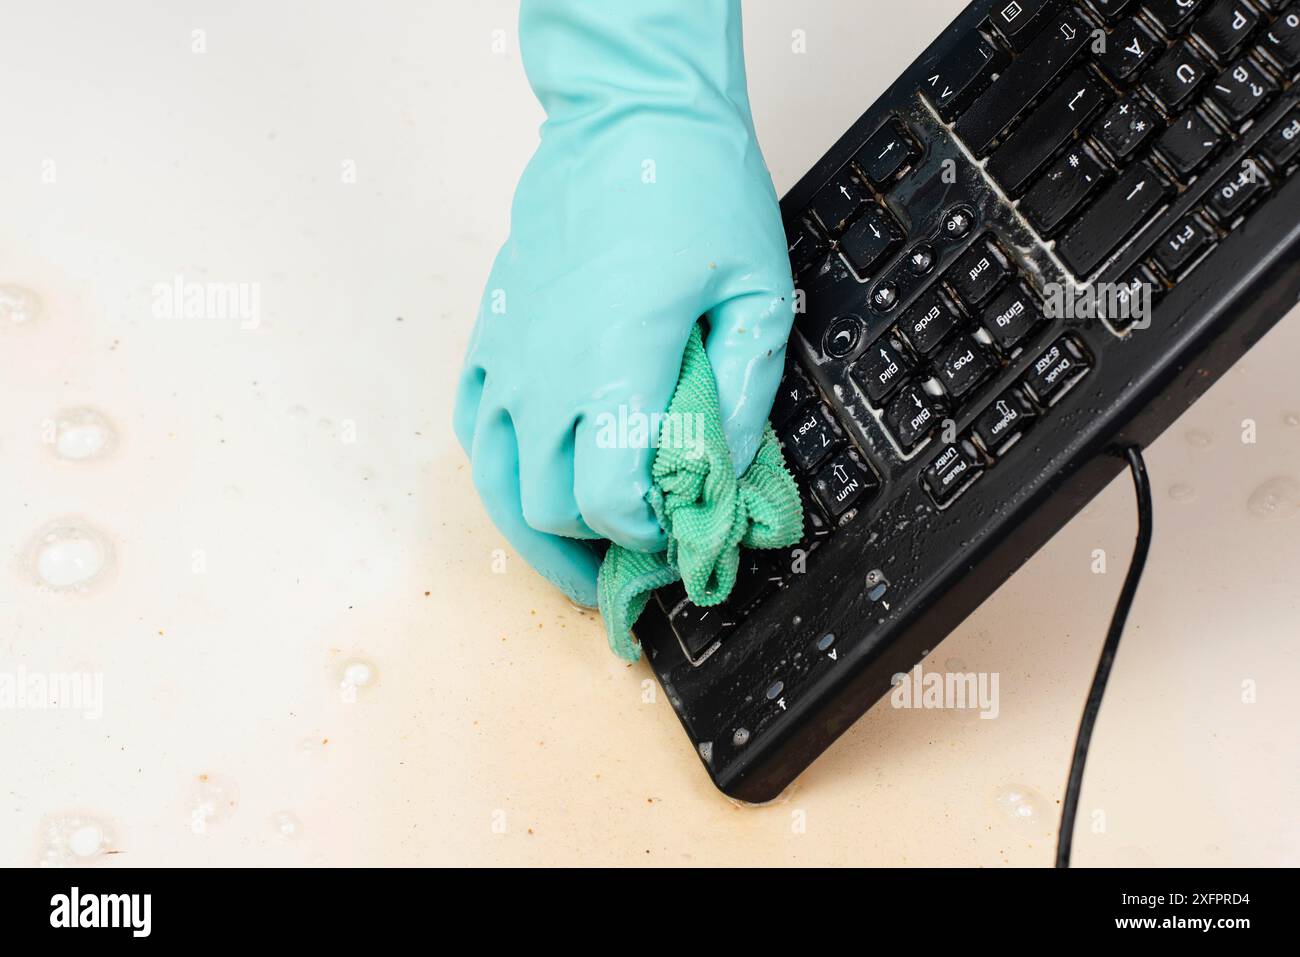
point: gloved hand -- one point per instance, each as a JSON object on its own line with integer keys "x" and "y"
{"x": 646, "y": 206}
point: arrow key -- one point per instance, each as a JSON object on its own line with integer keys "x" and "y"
{"x": 881, "y": 369}
{"x": 870, "y": 239}
{"x": 887, "y": 152}
{"x": 838, "y": 201}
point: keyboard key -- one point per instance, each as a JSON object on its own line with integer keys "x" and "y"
{"x": 1134, "y": 298}
{"x": 872, "y": 237}
{"x": 1055, "y": 197}
{"x": 698, "y": 628}
{"x": 1282, "y": 144}
{"x": 952, "y": 469}
{"x": 962, "y": 365}
{"x": 958, "y": 222}
{"x": 913, "y": 414}
{"x": 1111, "y": 9}
{"x": 978, "y": 273}
{"x": 885, "y": 296}
{"x": 816, "y": 524}
{"x": 1020, "y": 20}
{"x": 929, "y": 320}
{"x": 1047, "y": 58}
{"x": 921, "y": 259}
{"x": 881, "y": 369}
{"x": 1172, "y": 14}
{"x": 1189, "y": 143}
{"x": 1176, "y": 76}
{"x": 1011, "y": 316}
{"x": 1120, "y": 211}
{"x": 811, "y": 437}
{"x": 838, "y": 201}
{"x": 1056, "y": 368}
{"x": 842, "y": 336}
{"x": 1006, "y": 419}
{"x": 1241, "y": 90}
{"x": 1225, "y": 27}
{"x": 1236, "y": 191}
{"x": 1181, "y": 244}
{"x": 886, "y": 153}
{"x": 962, "y": 75}
{"x": 843, "y": 483}
{"x": 1127, "y": 51}
{"x": 804, "y": 248}
{"x": 794, "y": 393}
{"x": 1026, "y": 150}
{"x": 1282, "y": 42}
{"x": 1126, "y": 126}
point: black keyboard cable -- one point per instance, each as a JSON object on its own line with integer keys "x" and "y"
{"x": 1070, "y": 806}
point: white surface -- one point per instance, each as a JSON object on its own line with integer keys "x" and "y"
{"x": 284, "y": 501}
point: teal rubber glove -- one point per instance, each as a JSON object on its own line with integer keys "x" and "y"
{"x": 646, "y": 206}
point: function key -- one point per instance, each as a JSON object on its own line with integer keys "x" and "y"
{"x": 1127, "y": 51}
{"x": 1189, "y": 143}
{"x": 1225, "y": 27}
{"x": 1172, "y": 14}
{"x": 962, "y": 74}
{"x": 913, "y": 414}
{"x": 951, "y": 471}
{"x": 886, "y": 153}
{"x": 881, "y": 369}
{"x": 1019, "y": 20}
{"x": 1013, "y": 315}
{"x": 1282, "y": 42}
{"x": 1181, "y": 244}
{"x": 1282, "y": 144}
{"x": 962, "y": 365}
{"x": 811, "y": 437}
{"x": 843, "y": 482}
{"x": 978, "y": 273}
{"x": 1241, "y": 90}
{"x": 842, "y": 336}
{"x": 1133, "y": 299}
{"x": 1234, "y": 192}
{"x": 921, "y": 259}
{"x": 1176, "y": 76}
{"x": 957, "y": 223}
{"x": 870, "y": 239}
{"x": 838, "y": 201}
{"x": 793, "y": 394}
{"x": 1006, "y": 419}
{"x": 1126, "y": 126}
{"x": 1062, "y": 189}
{"x": 929, "y": 320}
{"x": 1056, "y": 368}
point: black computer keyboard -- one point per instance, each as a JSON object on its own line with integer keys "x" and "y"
{"x": 1045, "y": 241}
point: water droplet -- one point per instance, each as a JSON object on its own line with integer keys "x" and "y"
{"x": 214, "y": 799}
{"x": 1278, "y": 498}
{"x": 955, "y": 666}
{"x": 356, "y": 675}
{"x": 82, "y": 434}
{"x": 1198, "y": 438}
{"x": 1023, "y": 806}
{"x": 1182, "y": 492}
{"x": 68, "y": 555}
{"x": 1290, "y": 418}
{"x": 73, "y": 839}
{"x": 286, "y": 825}
{"x": 18, "y": 306}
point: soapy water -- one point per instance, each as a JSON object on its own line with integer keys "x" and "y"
{"x": 73, "y": 839}
{"x": 1276, "y": 499}
{"x": 70, "y": 556}
{"x": 81, "y": 434}
{"x": 19, "y": 306}
{"x": 1182, "y": 492}
{"x": 214, "y": 800}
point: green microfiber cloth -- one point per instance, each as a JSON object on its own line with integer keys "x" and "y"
{"x": 706, "y": 512}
